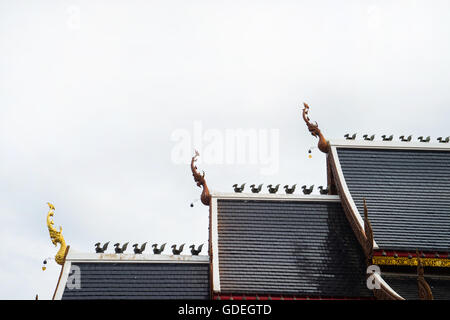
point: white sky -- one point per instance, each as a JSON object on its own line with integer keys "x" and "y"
{"x": 87, "y": 110}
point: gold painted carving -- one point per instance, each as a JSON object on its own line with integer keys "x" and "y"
{"x": 56, "y": 236}
{"x": 404, "y": 261}
{"x": 323, "y": 144}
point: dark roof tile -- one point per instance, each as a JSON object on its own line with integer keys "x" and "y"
{"x": 107, "y": 280}
{"x": 407, "y": 194}
{"x": 288, "y": 247}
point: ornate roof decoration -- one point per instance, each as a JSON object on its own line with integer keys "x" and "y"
{"x": 403, "y": 259}
{"x": 323, "y": 144}
{"x": 200, "y": 180}
{"x": 368, "y": 248}
{"x": 423, "y": 287}
{"x": 56, "y": 236}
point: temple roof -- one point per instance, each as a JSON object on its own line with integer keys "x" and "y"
{"x": 134, "y": 276}
{"x": 285, "y": 244}
{"x": 407, "y": 189}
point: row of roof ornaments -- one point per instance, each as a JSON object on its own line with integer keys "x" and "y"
{"x": 139, "y": 250}
{"x": 274, "y": 189}
{"x": 57, "y": 237}
{"x": 401, "y": 138}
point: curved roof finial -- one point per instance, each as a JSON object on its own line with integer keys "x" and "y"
{"x": 323, "y": 144}
{"x": 56, "y": 236}
{"x": 201, "y": 182}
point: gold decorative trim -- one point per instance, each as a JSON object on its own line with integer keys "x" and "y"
{"x": 56, "y": 236}
{"x": 323, "y": 144}
{"x": 405, "y": 261}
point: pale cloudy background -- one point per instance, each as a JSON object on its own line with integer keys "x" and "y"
{"x": 92, "y": 91}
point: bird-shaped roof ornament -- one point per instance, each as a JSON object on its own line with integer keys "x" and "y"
{"x": 348, "y": 137}
{"x": 442, "y": 140}
{"x": 56, "y": 236}
{"x": 386, "y": 138}
{"x": 405, "y": 139}
{"x": 256, "y": 189}
{"x": 367, "y": 138}
{"x": 422, "y": 139}
{"x": 99, "y": 249}
{"x": 238, "y": 189}
{"x": 138, "y": 250}
{"x": 273, "y": 189}
{"x": 307, "y": 190}
{"x": 176, "y": 251}
{"x": 290, "y": 190}
{"x": 323, "y": 190}
{"x": 194, "y": 251}
{"x": 118, "y": 249}
{"x": 160, "y": 250}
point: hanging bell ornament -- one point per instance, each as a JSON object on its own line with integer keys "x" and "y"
{"x": 309, "y": 155}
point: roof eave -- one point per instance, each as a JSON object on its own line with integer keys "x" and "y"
{"x": 363, "y": 144}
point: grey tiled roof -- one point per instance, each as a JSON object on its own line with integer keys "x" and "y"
{"x": 107, "y": 280}
{"x": 288, "y": 247}
{"x": 407, "y": 194}
{"x": 406, "y": 286}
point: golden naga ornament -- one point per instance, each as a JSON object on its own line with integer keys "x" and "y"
{"x": 56, "y": 236}
{"x": 323, "y": 144}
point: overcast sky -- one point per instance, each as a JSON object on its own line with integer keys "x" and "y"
{"x": 94, "y": 96}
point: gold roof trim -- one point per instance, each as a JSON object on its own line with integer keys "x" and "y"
{"x": 405, "y": 261}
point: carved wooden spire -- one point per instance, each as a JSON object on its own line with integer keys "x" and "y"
{"x": 423, "y": 287}
{"x": 201, "y": 182}
{"x": 323, "y": 144}
{"x": 368, "y": 248}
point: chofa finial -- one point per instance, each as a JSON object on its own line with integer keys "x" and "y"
{"x": 323, "y": 144}
{"x": 56, "y": 236}
{"x": 201, "y": 182}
